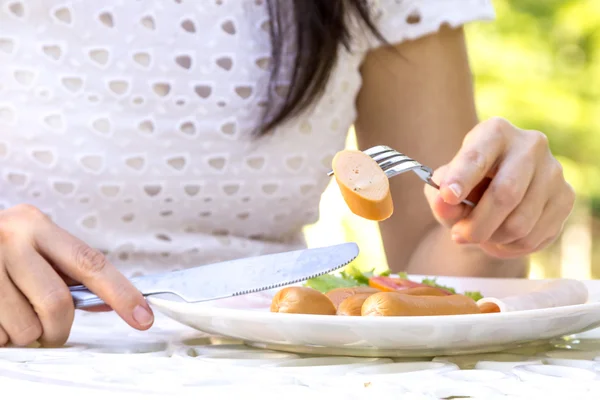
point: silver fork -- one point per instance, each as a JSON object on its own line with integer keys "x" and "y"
{"x": 394, "y": 163}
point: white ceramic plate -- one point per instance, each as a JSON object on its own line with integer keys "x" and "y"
{"x": 248, "y": 318}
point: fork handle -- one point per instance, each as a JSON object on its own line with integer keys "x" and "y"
{"x": 468, "y": 203}
{"x": 431, "y": 183}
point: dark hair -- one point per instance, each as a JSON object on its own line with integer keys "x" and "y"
{"x": 320, "y": 27}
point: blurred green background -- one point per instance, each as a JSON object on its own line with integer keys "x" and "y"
{"x": 538, "y": 65}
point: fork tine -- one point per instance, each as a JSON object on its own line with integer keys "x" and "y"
{"x": 390, "y": 161}
{"x": 388, "y": 158}
{"x": 379, "y": 155}
{"x": 382, "y": 154}
{"x": 395, "y": 161}
{"x": 385, "y": 158}
{"x": 375, "y": 150}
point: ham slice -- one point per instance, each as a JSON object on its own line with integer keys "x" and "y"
{"x": 556, "y": 293}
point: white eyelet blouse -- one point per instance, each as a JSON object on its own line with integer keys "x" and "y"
{"x": 128, "y": 122}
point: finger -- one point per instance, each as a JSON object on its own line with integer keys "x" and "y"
{"x": 545, "y": 244}
{"x": 46, "y": 291}
{"x": 17, "y": 317}
{"x": 66, "y": 279}
{"x": 504, "y": 194}
{"x": 501, "y": 251}
{"x": 543, "y": 234}
{"x": 549, "y": 226}
{"x": 72, "y": 282}
{"x": 3, "y": 337}
{"x": 446, "y": 214}
{"x": 525, "y": 217}
{"x": 482, "y": 149}
{"x": 89, "y": 266}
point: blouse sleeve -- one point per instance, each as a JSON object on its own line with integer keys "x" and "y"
{"x": 401, "y": 20}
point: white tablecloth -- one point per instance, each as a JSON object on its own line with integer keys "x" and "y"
{"x": 106, "y": 359}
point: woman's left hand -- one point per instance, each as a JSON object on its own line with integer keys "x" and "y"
{"x": 522, "y": 197}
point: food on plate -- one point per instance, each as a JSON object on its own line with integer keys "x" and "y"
{"x": 396, "y": 304}
{"x": 302, "y": 300}
{"x": 489, "y": 308}
{"x": 349, "y": 301}
{"x": 352, "y": 292}
{"x": 556, "y": 293}
{"x": 424, "y": 291}
{"x": 338, "y": 295}
{"x": 348, "y": 278}
{"x": 390, "y": 284}
{"x": 363, "y": 185}
{"x": 352, "y": 306}
{"x": 351, "y": 277}
{"x": 387, "y": 284}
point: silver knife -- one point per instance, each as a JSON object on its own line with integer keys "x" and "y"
{"x": 236, "y": 277}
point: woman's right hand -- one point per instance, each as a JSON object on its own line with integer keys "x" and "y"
{"x": 38, "y": 260}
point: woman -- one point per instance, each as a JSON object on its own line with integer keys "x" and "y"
{"x": 138, "y": 137}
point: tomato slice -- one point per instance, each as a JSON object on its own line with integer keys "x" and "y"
{"x": 384, "y": 283}
{"x": 406, "y": 283}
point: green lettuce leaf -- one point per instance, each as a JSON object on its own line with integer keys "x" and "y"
{"x": 362, "y": 277}
{"x": 327, "y": 282}
{"x": 476, "y": 296}
{"x": 433, "y": 282}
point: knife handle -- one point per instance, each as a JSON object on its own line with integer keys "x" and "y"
{"x": 83, "y": 298}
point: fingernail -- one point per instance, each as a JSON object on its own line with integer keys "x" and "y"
{"x": 457, "y": 238}
{"x": 142, "y": 316}
{"x": 456, "y": 189}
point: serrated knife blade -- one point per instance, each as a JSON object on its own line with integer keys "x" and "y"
{"x": 236, "y": 277}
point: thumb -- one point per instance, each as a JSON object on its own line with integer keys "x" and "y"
{"x": 446, "y": 214}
